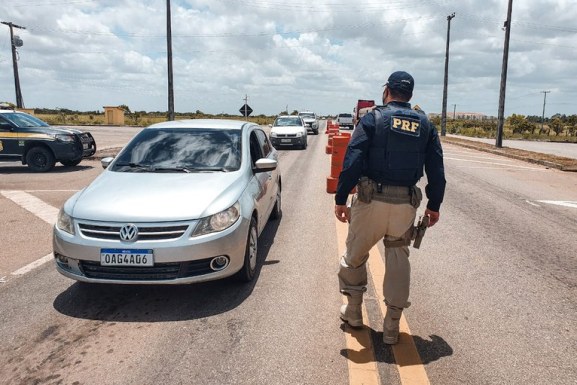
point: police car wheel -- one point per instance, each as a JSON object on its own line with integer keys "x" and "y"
{"x": 248, "y": 270}
{"x": 71, "y": 162}
{"x": 40, "y": 159}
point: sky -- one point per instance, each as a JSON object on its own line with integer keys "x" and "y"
{"x": 319, "y": 55}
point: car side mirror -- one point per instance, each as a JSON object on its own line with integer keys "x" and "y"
{"x": 105, "y": 162}
{"x": 265, "y": 164}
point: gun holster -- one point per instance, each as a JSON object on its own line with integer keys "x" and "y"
{"x": 365, "y": 190}
{"x": 414, "y": 233}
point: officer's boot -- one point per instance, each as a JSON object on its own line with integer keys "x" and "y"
{"x": 352, "y": 313}
{"x": 391, "y": 325}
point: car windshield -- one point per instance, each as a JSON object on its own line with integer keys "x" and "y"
{"x": 346, "y": 115}
{"x": 305, "y": 115}
{"x": 288, "y": 121}
{"x": 24, "y": 120}
{"x": 181, "y": 150}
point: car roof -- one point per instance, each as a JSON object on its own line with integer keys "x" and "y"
{"x": 229, "y": 124}
{"x": 288, "y": 116}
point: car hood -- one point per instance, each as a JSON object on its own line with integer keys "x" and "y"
{"x": 153, "y": 197}
{"x": 67, "y": 130}
{"x": 54, "y": 130}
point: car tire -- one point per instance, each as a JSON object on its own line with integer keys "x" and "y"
{"x": 248, "y": 270}
{"x": 277, "y": 209}
{"x": 71, "y": 162}
{"x": 40, "y": 159}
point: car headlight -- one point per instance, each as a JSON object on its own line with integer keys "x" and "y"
{"x": 273, "y": 134}
{"x": 299, "y": 134}
{"x": 65, "y": 222}
{"x": 64, "y": 137}
{"x": 218, "y": 222}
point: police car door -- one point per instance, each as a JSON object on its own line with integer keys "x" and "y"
{"x": 8, "y": 138}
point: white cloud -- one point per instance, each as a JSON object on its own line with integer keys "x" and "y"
{"x": 320, "y": 55}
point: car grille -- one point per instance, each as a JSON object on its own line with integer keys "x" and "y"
{"x": 145, "y": 233}
{"x": 158, "y": 272}
{"x": 85, "y": 138}
{"x": 287, "y": 135}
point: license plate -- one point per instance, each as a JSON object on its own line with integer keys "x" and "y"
{"x": 126, "y": 257}
{"x": 285, "y": 140}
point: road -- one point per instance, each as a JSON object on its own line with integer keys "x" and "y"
{"x": 568, "y": 150}
{"x": 493, "y": 292}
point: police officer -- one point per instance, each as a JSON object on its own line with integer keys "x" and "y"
{"x": 385, "y": 159}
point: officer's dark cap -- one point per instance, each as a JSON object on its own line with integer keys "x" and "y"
{"x": 401, "y": 81}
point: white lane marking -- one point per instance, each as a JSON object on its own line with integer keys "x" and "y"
{"x": 36, "y": 206}
{"x": 532, "y": 204}
{"x": 572, "y": 204}
{"x": 495, "y": 163}
{"x": 43, "y": 211}
{"x": 31, "y": 266}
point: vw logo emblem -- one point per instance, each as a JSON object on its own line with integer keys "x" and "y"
{"x": 129, "y": 233}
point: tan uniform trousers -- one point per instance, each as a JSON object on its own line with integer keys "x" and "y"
{"x": 369, "y": 223}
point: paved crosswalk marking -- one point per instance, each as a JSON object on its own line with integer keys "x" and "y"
{"x": 36, "y": 206}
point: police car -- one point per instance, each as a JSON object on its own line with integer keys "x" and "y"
{"x": 37, "y": 144}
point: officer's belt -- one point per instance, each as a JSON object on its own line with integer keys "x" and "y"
{"x": 392, "y": 194}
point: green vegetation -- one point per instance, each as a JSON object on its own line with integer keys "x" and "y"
{"x": 558, "y": 128}
{"x": 64, "y": 116}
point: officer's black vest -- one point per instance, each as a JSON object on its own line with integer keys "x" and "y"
{"x": 397, "y": 152}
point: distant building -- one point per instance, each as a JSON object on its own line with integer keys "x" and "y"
{"x": 462, "y": 115}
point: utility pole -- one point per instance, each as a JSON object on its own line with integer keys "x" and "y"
{"x": 454, "y": 110}
{"x": 245, "y": 106}
{"x": 501, "y": 117}
{"x": 445, "y": 84}
{"x": 19, "y": 102}
{"x": 169, "y": 53}
{"x": 543, "y": 116}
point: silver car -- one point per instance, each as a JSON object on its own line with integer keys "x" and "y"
{"x": 289, "y": 130}
{"x": 183, "y": 202}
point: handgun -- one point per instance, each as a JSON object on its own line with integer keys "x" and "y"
{"x": 420, "y": 231}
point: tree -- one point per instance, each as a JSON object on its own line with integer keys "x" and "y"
{"x": 125, "y": 108}
{"x": 556, "y": 125}
{"x": 519, "y": 124}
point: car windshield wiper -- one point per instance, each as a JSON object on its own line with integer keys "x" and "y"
{"x": 191, "y": 169}
{"x": 178, "y": 169}
{"x": 136, "y": 166}
{"x": 208, "y": 169}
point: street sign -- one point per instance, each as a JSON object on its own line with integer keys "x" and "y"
{"x": 245, "y": 110}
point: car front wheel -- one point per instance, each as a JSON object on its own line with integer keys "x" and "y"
{"x": 40, "y": 159}
{"x": 248, "y": 271}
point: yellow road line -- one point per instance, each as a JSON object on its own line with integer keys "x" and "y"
{"x": 409, "y": 364}
{"x": 361, "y": 357}
{"x": 362, "y": 364}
